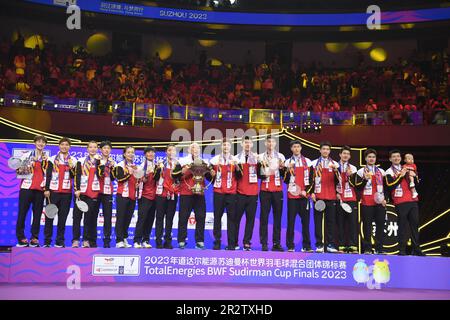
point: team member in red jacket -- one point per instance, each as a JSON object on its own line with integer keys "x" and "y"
{"x": 125, "y": 197}
{"x": 347, "y": 194}
{"x": 58, "y": 188}
{"x": 105, "y": 176}
{"x": 373, "y": 201}
{"x": 167, "y": 189}
{"x": 405, "y": 201}
{"x": 247, "y": 191}
{"x": 225, "y": 184}
{"x": 271, "y": 193}
{"x": 297, "y": 178}
{"x": 325, "y": 179}
{"x": 87, "y": 189}
{"x": 146, "y": 199}
{"x": 31, "y": 192}
{"x": 190, "y": 201}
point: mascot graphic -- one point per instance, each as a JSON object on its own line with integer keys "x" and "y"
{"x": 373, "y": 276}
{"x": 361, "y": 271}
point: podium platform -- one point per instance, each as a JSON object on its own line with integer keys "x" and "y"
{"x": 190, "y": 266}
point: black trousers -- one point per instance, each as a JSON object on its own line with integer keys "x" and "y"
{"x": 349, "y": 220}
{"x": 27, "y": 198}
{"x": 224, "y": 202}
{"x": 146, "y": 217}
{"x": 408, "y": 217}
{"x": 124, "y": 214}
{"x": 89, "y": 220}
{"x": 274, "y": 201}
{"x": 106, "y": 201}
{"x": 62, "y": 201}
{"x": 187, "y": 204}
{"x": 245, "y": 204}
{"x": 330, "y": 223}
{"x": 298, "y": 207}
{"x": 165, "y": 209}
{"x": 369, "y": 215}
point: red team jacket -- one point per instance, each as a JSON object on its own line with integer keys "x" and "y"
{"x": 37, "y": 177}
{"x": 346, "y": 186}
{"x": 60, "y": 172}
{"x": 170, "y": 187}
{"x": 400, "y": 190}
{"x": 86, "y": 178}
{"x": 300, "y": 175}
{"x": 106, "y": 177}
{"x": 148, "y": 189}
{"x": 187, "y": 181}
{"x": 370, "y": 187}
{"x": 269, "y": 183}
{"x": 328, "y": 178}
{"x": 126, "y": 182}
{"x": 247, "y": 184}
{"x": 223, "y": 167}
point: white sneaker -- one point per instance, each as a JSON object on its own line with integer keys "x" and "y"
{"x": 137, "y": 245}
{"x": 146, "y": 245}
{"x": 331, "y": 249}
{"x": 237, "y": 248}
{"x": 319, "y": 249}
{"x": 415, "y": 194}
{"x": 127, "y": 245}
{"x": 120, "y": 244}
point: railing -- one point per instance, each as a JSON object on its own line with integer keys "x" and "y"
{"x": 144, "y": 114}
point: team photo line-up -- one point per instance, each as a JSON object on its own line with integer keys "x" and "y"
{"x": 335, "y": 188}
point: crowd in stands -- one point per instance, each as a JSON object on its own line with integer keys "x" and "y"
{"x": 418, "y": 82}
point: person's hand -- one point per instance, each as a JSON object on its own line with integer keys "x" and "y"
{"x": 313, "y": 197}
{"x": 367, "y": 175}
{"x": 281, "y": 164}
{"x": 403, "y": 172}
{"x": 131, "y": 170}
{"x": 383, "y": 203}
{"x": 349, "y": 171}
{"x": 185, "y": 169}
{"x": 97, "y": 157}
{"x": 303, "y": 193}
{"x": 412, "y": 173}
{"x": 213, "y": 172}
{"x": 47, "y": 194}
{"x": 338, "y": 196}
{"x": 77, "y": 194}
